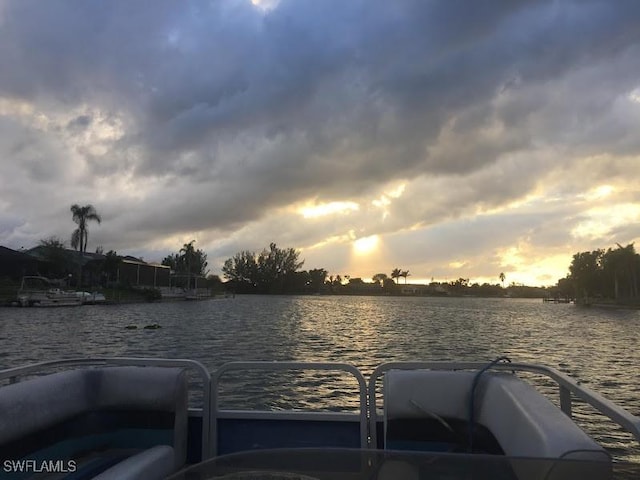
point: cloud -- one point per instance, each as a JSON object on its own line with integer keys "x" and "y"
{"x": 217, "y": 120}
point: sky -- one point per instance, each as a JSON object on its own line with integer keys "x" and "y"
{"x": 453, "y": 139}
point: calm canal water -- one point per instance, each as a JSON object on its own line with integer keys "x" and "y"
{"x": 596, "y": 346}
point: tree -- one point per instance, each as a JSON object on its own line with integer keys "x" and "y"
{"x": 171, "y": 260}
{"x": 317, "y": 277}
{"x": 379, "y": 278}
{"x": 405, "y": 274}
{"x": 565, "y": 288}
{"x": 189, "y": 262}
{"x": 187, "y": 252}
{"x": 609, "y": 274}
{"x": 110, "y": 266}
{"x": 81, "y": 216}
{"x": 620, "y": 271}
{"x": 502, "y": 277}
{"x": 274, "y": 266}
{"x": 586, "y": 273}
{"x": 271, "y": 271}
{"x": 53, "y": 242}
{"x": 192, "y": 261}
{"x": 241, "y": 268}
{"x": 396, "y": 274}
{"x": 54, "y": 253}
{"x": 389, "y": 285}
{"x": 459, "y": 286}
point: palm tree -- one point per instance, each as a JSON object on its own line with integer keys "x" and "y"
{"x": 405, "y": 274}
{"x": 82, "y": 215}
{"x": 396, "y": 273}
{"x": 187, "y": 253}
{"x": 502, "y": 277}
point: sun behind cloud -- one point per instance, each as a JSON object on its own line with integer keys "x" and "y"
{"x": 366, "y": 245}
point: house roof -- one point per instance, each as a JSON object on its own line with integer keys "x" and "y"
{"x": 7, "y": 254}
{"x": 73, "y": 255}
{"x": 136, "y": 261}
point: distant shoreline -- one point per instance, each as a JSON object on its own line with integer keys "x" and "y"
{"x": 610, "y": 306}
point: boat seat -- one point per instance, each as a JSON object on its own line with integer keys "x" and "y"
{"x": 156, "y": 462}
{"x": 93, "y": 415}
{"x": 523, "y": 421}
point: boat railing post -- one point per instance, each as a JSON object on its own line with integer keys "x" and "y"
{"x": 565, "y": 400}
{"x": 213, "y": 416}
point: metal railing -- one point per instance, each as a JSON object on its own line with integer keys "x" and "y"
{"x": 282, "y": 366}
{"x": 368, "y": 415}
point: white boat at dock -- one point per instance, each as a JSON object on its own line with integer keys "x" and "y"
{"x": 91, "y": 298}
{"x": 38, "y": 291}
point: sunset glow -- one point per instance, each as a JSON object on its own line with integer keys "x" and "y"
{"x": 366, "y": 245}
{"x": 331, "y": 208}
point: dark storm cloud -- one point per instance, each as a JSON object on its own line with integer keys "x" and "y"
{"x": 198, "y": 72}
{"x": 79, "y": 123}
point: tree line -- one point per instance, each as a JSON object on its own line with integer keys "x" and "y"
{"x": 273, "y": 270}
{"x": 276, "y": 270}
{"x": 610, "y": 274}
{"x": 600, "y": 274}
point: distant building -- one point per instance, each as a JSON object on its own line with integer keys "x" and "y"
{"x": 413, "y": 289}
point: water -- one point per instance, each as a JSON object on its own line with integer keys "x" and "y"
{"x": 597, "y": 347}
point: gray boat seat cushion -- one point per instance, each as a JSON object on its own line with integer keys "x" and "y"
{"x": 57, "y": 402}
{"x": 33, "y": 405}
{"x": 523, "y": 421}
